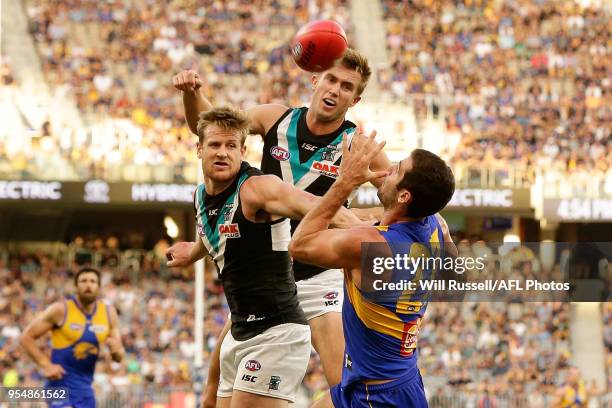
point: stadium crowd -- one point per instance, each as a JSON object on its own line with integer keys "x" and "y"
{"x": 526, "y": 83}
{"x": 522, "y": 82}
{"x": 469, "y": 349}
{"x": 117, "y": 61}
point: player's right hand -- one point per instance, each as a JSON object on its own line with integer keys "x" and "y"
{"x": 187, "y": 81}
{"x": 178, "y": 254}
{"x": 53, "y": 371}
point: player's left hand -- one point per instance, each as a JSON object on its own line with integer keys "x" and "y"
{"x": 178, "y": 254}
{"x": 355, "y": 165}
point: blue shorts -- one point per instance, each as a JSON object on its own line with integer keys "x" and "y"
{"x": 75, "y": 400}
{"x": 406, "y": 392}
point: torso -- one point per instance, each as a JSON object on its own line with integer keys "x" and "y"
{"x": 76, "y": 342}
{"x": 309, "y": 162}
{"x": 252, "y": 260}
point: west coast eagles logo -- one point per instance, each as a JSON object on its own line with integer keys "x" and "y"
{"x": 83, "y": 350}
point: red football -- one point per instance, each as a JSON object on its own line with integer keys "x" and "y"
{"x": 318, "y": 44}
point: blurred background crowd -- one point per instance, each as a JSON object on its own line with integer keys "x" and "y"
{"x": 518, "y": 83}
{"x": 517, "y": 354}
{"x": 519, "y": 90}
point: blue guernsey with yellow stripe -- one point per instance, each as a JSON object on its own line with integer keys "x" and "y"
{"x": 75, "y": 345}
{"x": 381, "y": 329}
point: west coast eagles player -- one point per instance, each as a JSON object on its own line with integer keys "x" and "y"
{"x": 381, "y": 329}
{"x": 79, "y": 326}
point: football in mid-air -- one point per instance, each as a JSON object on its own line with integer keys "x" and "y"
{"x": 318, "y": 44}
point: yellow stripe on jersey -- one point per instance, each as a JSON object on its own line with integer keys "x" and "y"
{"x": 383, "y": 228}
{"x": 374, "y": 316}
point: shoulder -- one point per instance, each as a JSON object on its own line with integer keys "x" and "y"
{"x": 56, "y": 311}
{"x": 258, "y": 184}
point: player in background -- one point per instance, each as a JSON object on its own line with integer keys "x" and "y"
{"x": 381, "y": 328}
{"x": 243, "y": 221}
{"x": 303, "y": 146}
{"x": 79, "y": 326}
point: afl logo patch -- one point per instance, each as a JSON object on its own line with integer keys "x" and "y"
{"x": 280, "y": 153}
{"x": 331, "y": 295}
{"x": 76, "y": 326}
{"x": 252, "y": 365}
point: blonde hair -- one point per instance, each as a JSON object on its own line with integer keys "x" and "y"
{"x": 226, "y": 118}
{"x": 353, "y": 59}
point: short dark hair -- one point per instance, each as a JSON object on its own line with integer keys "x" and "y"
{"x": 86, "y": 270}
{"x": 431, "y": 184}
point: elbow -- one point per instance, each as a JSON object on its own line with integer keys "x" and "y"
{"x": 294, "y": 249}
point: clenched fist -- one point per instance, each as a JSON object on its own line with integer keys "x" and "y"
{"x": 187, "y": 81}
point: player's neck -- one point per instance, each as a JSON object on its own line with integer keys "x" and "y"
{"x": 319, "y": 128}
{"x": 214, "y": 188}
{"x": 395, "y": 215}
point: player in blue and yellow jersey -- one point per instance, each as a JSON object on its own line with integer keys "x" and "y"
{"x": 79, "y": 326}
{"x": 573, "y": 393}
{"x": 381, "y": 329}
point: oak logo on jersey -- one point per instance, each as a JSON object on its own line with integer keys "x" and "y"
{"x": 252, "y": 365}
{"x": 83, "y": 350}
{"x": 409, "y": 339}
{"x": 326, "y": 169}
{"x": 229, "y": 230}
{"x": 280, "y": 153}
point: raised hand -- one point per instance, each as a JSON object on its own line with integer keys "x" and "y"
{"x": 355, "y": 165}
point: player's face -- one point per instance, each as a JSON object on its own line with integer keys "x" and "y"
{"x": 388, "y": 193}
{"x": 88, "y": 287}
{"x": 221, "y": 153}
{"x": 334, "y": 93}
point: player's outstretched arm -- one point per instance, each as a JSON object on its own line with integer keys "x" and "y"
{"x": 115, "y": 346}
{"x": 42, "y": 324}
{"x": 184, "y": 254}
{"x": 214, "y": 370}
{"x": 194, "y": 102}
{"x": 277, "y": 198}
{"x": 261, "y": 117}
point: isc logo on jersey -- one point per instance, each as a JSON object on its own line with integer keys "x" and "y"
{"x": 280, "y": 153}
{"x": 229, "y": 230}
{"x": 325, "y": 169}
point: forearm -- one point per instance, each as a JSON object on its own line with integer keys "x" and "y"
{"x": 29, "y": 345}
{"x": 197, "y": 252}
{"x": 320, "y": 217}
{"x": 194, "y": 102}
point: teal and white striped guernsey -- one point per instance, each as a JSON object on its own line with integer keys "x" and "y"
{"x": 308, "y": 161}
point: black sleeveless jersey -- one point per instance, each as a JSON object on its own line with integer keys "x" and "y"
{"x": 252, "y": 260}
{"x": 308, "y": 161}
